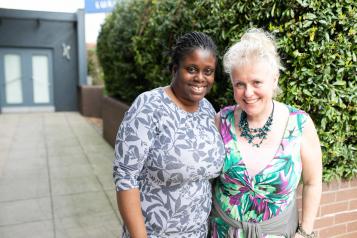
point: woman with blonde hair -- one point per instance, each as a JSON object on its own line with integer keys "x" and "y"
{"x": 269, "y": 146}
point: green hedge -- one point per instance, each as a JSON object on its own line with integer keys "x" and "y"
{"x": 94, "y": 70}
{"x": 123, "y": 78}
{"x": 317, "y": 42}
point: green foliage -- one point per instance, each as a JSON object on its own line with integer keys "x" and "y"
{"x": 317, "y": 42}
{"x": 94, "y": 69}
{"x": 123, "y": 78}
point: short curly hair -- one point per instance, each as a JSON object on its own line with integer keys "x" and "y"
{"x": 256, "y": 44}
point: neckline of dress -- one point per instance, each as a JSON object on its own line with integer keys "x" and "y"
{"x": 236, "y": 143}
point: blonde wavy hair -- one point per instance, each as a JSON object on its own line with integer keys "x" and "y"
{"x": 255, "y": 45}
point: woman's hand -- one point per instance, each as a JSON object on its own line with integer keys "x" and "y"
{"x": 298, "y": 236}
{"x": 130, "y": 209}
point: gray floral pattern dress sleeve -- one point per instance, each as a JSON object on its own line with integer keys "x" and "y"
{"x": 170, "y": 155}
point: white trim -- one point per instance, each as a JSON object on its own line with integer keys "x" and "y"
{"x": 27, "y": 109}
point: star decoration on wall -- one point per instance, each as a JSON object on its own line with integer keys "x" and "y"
{"x": 66, "y": 51}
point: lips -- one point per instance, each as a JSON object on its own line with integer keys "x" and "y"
{"x": 198, "y": 89}
{"x": 250, "y": 101}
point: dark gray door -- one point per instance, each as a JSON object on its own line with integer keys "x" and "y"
{"x": 26, "y": 79}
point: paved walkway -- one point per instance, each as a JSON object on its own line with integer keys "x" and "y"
{"x": 55, "y": 178}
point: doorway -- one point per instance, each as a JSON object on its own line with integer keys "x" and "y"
{"x": 26, "y": 80}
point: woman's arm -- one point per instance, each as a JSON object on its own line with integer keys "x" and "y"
{"x": 311, "y": 158}
{"x": 130, "y": 209}
{"x": 217, "y": 121}
{"x": 132, "y": 145}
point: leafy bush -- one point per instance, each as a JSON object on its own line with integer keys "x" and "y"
{"x": 317, "y": 42}
{"x": 123, "y": 78}
{"x": 94, "y": 69}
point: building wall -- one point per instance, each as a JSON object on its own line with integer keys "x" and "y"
{"x": 45, "y": 30}
{"x": 337, "y": 214}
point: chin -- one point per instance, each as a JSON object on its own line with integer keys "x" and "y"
{"x": 197, "y": 98}
{"x": 251, "y": 109}
{"x": 198, "y": 95}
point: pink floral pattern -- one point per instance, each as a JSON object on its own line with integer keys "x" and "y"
{"x": 265, "y": 195}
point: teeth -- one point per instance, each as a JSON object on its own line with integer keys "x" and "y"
{"x": 251, "y": 101}
{"x": 197, "y": 89}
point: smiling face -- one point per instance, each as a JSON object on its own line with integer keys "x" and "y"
{"x": 253, "y": 86}
{"x": 193, "y": 77}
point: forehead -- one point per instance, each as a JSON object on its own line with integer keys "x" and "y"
{"x": 252, "y": 70}
{"x": 199, "y": 55}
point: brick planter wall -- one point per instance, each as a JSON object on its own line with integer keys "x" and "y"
{"x": 90, "y": 101}
{"x": 112, "y": 114}
{"x": 337, "y": 215}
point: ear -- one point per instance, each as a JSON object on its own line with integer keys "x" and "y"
{"x": 174, "y": 69}
{"x": 276, "y": 79}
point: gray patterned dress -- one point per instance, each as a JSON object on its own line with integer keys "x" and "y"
{"x": 169, "y": 155}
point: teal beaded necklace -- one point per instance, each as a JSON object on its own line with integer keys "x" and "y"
{"x": 251, "y": 133}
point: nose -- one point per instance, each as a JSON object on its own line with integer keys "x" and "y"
{"x": 248, "y": 91}
{"x": 200, "y": 77}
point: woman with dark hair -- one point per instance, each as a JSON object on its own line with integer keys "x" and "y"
{"x": 168, "y": 148}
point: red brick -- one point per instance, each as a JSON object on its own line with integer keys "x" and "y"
{"x": 334, "y": 185}
{"x": 347, "y": 235}
{"x": 352, "y": 226}
{"x": 324, "y": 222}
{"x": 332, "y": 231}
{"x": 333, "y": 208}
{"x": 344, "y": 184}
{"x": 318, "y": 214}
{"x": 353, "y": 183}
{"x": 328, "y": 198}
{"x": 346, "y": 194}
{"x": 352, "y": 204}
{"x": 347, "y": 216}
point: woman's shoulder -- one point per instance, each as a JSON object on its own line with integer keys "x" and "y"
{"x": 295, "y": 111}
{"x": 206, "y": 106}
{"x": 147, "y": 102}
{"x": 225, "y": 111}
{"x": 148, "y": 97}
{"x": 298, "y": 116}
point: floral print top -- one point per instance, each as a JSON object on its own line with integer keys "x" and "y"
{"x": 169, "y": 155}
{"x": 269, "y": 192}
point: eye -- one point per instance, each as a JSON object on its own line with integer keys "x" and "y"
{"x": 191, "y": 69}
{"x": 257, "y": 83}
{"x": 209, "y": 71}
{"x": 239, "y": 85}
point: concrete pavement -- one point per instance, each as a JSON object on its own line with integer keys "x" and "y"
{"x": 55, "y": 178}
